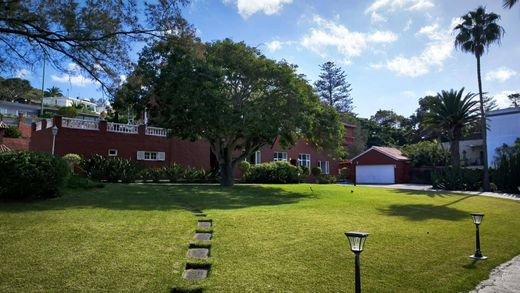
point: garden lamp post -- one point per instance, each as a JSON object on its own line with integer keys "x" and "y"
{"x": 54, "y": 131}
{"x": 477, "y": 219}
{"x": 357, "y": 241}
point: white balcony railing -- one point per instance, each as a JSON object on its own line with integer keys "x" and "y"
{"x": 79, "y": 123}
{"x": 122, "y": 128}
{"x": 156, "y": 131}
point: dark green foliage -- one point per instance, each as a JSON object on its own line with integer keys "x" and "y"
{"x": 245, "y": 167}
{"x": 78, "y": 182}
{"x": 507, "y": 168}
{"x": 69, "y": 111}
{"x": 304, "y": 171}
{"x": 177, "y": 173}
{"x": 316, "y": 171}
{"x": 326, "y": 179}
{"x": 27, "y": 175}
{"x": 333, "y": 88}
{"x": 426, "y": 153}
{"x": 12, "y": 132}
{"x": 343, "y": 173}
{"x": 450, "y": 178}
{"x": 273, "y": 172}
{"x": 112, "y": 170}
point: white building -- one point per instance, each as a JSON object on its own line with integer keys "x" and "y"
{"x": 69, "y": 102}
{"x": 503, "y": 128}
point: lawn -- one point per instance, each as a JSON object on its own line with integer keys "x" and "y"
{"x": 266, "y": 238}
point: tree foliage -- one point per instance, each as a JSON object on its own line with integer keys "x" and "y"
{"x": 426, "y": 153}
{"x": 53, "y": 92}
{"x": 333, "y": 88}
{"x": 230, "y": 95}
{"x": 95, "y": 35}
{"x": 515, "y": 99}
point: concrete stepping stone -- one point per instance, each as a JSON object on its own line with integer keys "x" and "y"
{"x": 203, "y": 236}
{"x": 195, "y": 274}
{"x": 205, "y": 224}
{"x": 201, "y": 253}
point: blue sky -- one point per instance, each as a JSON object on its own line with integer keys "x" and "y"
{"x": 393, "y": 51}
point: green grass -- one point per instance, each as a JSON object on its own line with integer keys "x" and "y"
{"x": 266, "y": 238}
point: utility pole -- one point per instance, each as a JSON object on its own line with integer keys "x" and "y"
{"x": 43, "y": 85}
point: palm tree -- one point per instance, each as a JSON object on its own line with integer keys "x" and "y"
{"x": 53, "y": 92}
{"x": 509, "y": 3}
{"x": 450, "y": 112}
{"x": 477, "y": 32}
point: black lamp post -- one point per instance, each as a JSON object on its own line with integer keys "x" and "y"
{"x": 357, "y": 241}
{"x": 477, "y": 219}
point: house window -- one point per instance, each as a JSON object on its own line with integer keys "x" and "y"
{"x": 150, "y": 156}
{"x": 258, "y": 157}
{"x": 304, "y": 160}
{"x": 280, "y": 156}
{"x": 324, "y": 166}
{"x": 112, "y": 153}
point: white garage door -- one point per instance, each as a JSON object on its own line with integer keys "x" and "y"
{"x": 375, "y": 174}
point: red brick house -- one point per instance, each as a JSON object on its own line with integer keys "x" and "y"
{"x": 380, "y": 165}
{"x": 152, "y": 147}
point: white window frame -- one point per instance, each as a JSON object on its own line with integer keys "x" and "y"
{"x": 280, "y": 157}
{"x": 325, "y": 167}
{"x": 258, "y": 157}
{"x": 150, "y": 156}
{"x": 304, "y": 160}
{"x": 112, "y": 152}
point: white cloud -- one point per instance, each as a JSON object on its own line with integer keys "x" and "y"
{"x": 274, "y": 45}
{"x": 438, "y": 49}
{"x": 328, "y": 34}
{"x": 392, "y": 5}
{"x": 376, "y": 66}
{"x": 22, "y": 73}
{"x": 247, "y": 8}
{"x": 501, "y": 74}
{"x": 502, "y": 99}
{"x": 75, "y": 78}
{"x": 408, "y": 25}
{"x": 376, "y": 17}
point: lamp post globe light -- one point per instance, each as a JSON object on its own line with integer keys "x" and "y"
{"x": 54, "y": 131}
{"x": 477, "y": 219}
{"x": 357, "y": 242}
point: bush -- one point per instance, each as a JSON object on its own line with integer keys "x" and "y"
{"x": 274, "y": 172}
{"x": 28, "y": 175}
{"x": 245, "y": 167}
{"x": 316, "y": 171}
{"x": 326, "y": 179}
{"x": 450, "y": 178}
{"x": 426, "y": 153}
{"x": 343, "y": 173}
{"x": 174, "y": 172}
{"x": 69, "y": 111}
{"x": 78, "y": 182}
{"x": 111, "y": 170}
{"x": 12, "y": 132}
{"x": 507, "y": 168}
{"x": 154, "y": 174}
{"x": 72, "y": 161}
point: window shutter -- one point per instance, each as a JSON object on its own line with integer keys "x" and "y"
{"x": 140, "y": 155}
{"x": 161, "y": 156}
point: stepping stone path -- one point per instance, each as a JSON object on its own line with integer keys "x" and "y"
{"x": 197, "y": 272}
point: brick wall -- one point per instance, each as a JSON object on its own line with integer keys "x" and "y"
{"x": 16, "y": 144}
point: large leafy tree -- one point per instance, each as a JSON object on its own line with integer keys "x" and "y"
{"x": 477, "y": 32}
{"x": 451, "y": 112}
{"x": 333, "y": 87}
{"x": 95, "y": 35}
{"x": 53, "y": 92}
{"x": 515, "y": 99}
{"x": 232, "y": 96}
{"x": 14, "y": 89}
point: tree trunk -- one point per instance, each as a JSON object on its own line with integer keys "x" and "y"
{"x": 226, "y": 168}
{"x": 454, "y": 150}
{"x": 485, "y": 179}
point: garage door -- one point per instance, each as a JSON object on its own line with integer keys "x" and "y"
{"x": 375, "y": 174}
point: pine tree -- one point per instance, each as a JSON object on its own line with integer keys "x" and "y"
{"x": 333, "y": 88}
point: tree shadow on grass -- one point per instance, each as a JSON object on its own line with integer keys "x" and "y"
{"x": 422, "y": 212}
{"x": 162, "y": 197}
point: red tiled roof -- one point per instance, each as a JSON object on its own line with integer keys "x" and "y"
{"x": 4, "y": 148}
{"x": 391, "y": 152}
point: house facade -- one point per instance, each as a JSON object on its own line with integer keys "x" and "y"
{"x": 503, "y": 128}
{"x": 380, "y": 165}
{"x": 153, "y": 147}
{"x": 69, "y": 102}
{"x": 471, "y": 152}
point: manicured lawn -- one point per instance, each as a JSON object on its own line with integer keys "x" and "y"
{"x": 266, "y": 238}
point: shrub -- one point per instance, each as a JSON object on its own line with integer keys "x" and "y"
{"x": 154, "y": 174}
{"x": 450, "y": 178}
{"x": 426, "y": 153}
{"x": 111, "y": 170}
{"x": 28, "y": 175}
{"x": 273, "y": 172}
{"x": 12, "y": 132}
{"x": 343, "y": 173}
{"x": 507, "y": 168}
{"x": 316, "y": 171}
{"x": 304, "y": 171}
{"x": 69, "y": 111}
{"x": 245, "y": 167}
{"x": 326, "y": 179}
{"x": 174, "y": 172}
{"x": 78, "y": 182}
